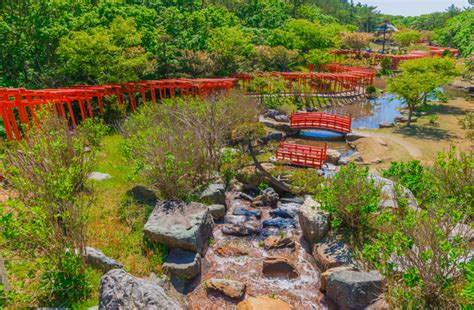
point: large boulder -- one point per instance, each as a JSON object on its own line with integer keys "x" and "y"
{"x": 280, "y": 126}
{"x": 389, "y": 193}
{"x": 325, "y": 276}
{"x": 354, "y": 289}
{"x": 214, "y": 194}
{"x": 120, "y": 290}
{"x": 186, "y": 226}
{"x": 230, "y": 288}
{"x": 263, "y": 303}
{"x": 182, "y": 264}
{"x": 313, "y": 221}
{"x": 331, "y": 252}
{"x": 99, "y": 260}
{"x": 143, "y": 194}
{"x": 354, "y": 135}
{"x": 386, "y": 124}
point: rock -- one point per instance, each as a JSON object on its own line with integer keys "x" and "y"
{"x": 325, "y": 275}
{"x": 214, "y": 194}
{"x": 252, "y": 176}
{"x": 354, "y": 289}
{"x": 388, "y": 193}
{"x": 464, "y": 231}
{"x": 274, "y": 136}
{"x": 295, "y": 200}
{"x": 217, "y": 211}
{"x": 279, "y": 222}
{"x": 404, "y": 119}
{"x": 182, "y": 264}
{"x": 230, "y": 288}
{"x": 263, "y": 303}
{"x": 331, "y": 252}
{"x": 386, "y": 125}
{"x": 313, "y": 221}
{"x": 285, "y": 212}
{"x": 238, "y": 230}
{"x": 354, "y": 135}
{"x": 99, "y": 176}
{"x": 120, "y": 290}
{"x": 143, "y": 194}
{"x": 280, "y": 126}
{"x": 276, "y": 242}
{"x": 268, "y": 198}
{"x": 376, "y": 161}
{"x": 276, "y": 115}
{"x": 275, "y": 266}
{"x": 343, "y": 161}
{"x": 230, "y": 251}
{"x": 243, "y": 211}
{"x": 186, "y": 226}
{"x": 333, "y": 156}
{"x": 98, "y": 260}
{"x": 247, "y": 197}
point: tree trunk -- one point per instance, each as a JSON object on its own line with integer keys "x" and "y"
{"x": 278, "y": 185}
{"x": 410, "y": 113}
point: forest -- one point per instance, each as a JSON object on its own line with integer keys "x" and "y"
{"x": 65, "y": 42}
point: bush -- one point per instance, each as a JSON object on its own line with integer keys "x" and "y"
{"x": 371, "y": 90}
{"x": 425, "y": 254}
{"x": 352, "y": 198}
{"x": 467, "y": 123}
{"x": 177, "y": 145}
{"x": 45, "y": 225}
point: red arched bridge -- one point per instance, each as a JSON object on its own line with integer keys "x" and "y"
{"x": 301, "y": 155}
{"x": 321, "y": 120}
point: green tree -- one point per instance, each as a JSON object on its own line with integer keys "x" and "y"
{"x": 419, "y": 78}
{"x": 318, "y": 58}
{"x": 232, "y": 48}
{"x": 458, "y": 31}
{"x": 405, "y": 38}
{"x": 356, "y": 40}
{"x": 104, "y": 55}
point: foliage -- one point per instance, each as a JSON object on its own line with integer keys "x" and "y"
{"x": 197, "y": 63}
{"x": 405, "y": 38}
{"x": 352, "y": 198}
{"x": 45, "y": 224}
{"x": 177, "y": 145}
{"x": 467, "y": 123}
{"x": 318, "y": 58}
{"x": 371, "y": 90}
{"x": 459, "y": 31}
{"x": 419, "y": 78}
{"x": 277, "y": 58}
{"x": 105, "y": 55}
{"x": 356, "y": 40}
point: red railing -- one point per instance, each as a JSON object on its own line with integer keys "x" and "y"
{"x": 20, "y": 106}
{"x": 321, "y": 120}
{"x": 302, "y": 155}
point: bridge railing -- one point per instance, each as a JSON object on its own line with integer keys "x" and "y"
{"x": 321, "y": 120}
{"x": 302, "y": 155}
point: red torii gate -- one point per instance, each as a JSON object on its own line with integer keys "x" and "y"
{"x": 25, "y": 103}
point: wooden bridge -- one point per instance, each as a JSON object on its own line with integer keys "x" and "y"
{"x": 321, "y": 120}
{"x": 301, "y": 155}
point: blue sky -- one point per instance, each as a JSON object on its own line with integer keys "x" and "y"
{"x": 413, "y": 7}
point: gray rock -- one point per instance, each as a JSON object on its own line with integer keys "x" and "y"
{"x": 214, "y": 194}
{"x": 354, "y": 289}
{"x": 282, "y": 118}
{"x": 230, "y": 288}
{"x": 184, "y": 265}
{"x": 404, "y": 119}
{"x": 98, "y": 260}
{"x": 246, "y": 229}
{"x": 99, "y": 176}
{"x": 186, "y": 226}
{"x": 247, "y": 197}
{"x": 280, "y": 126}
{"x": 333, "y": 156}
{"x": 389, "y": 196}
{"x": 268, "y": 198}
{"x": 343, "y": 161}
{"x": 297, "y": 200}
{"x": 288, "y": 211}
{"x": 386, "y": 125}
{"x": 217, "y": 211}
{"x": 120, "y": 290}
{"x": 143, "y": 194}
{"x": 313, "y": 221}
{"x": 274, "y": 136}
{"x": 331, "y": 252}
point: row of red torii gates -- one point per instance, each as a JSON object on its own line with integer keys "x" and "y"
{"x": 19, "y": 106}
{"x": 395, "y": 60}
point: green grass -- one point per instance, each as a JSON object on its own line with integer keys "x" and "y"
{"x": 107, "y": 230}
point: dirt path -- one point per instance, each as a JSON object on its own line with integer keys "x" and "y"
{"x": 414, "y": 151}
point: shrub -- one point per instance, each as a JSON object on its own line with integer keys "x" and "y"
{"x": 45, "y": 225}
{"x": 370, "y": 90}
{"x": 467, "y": 123}
{"x": 177, "y": 145}
{"x": 352, "y": 198}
